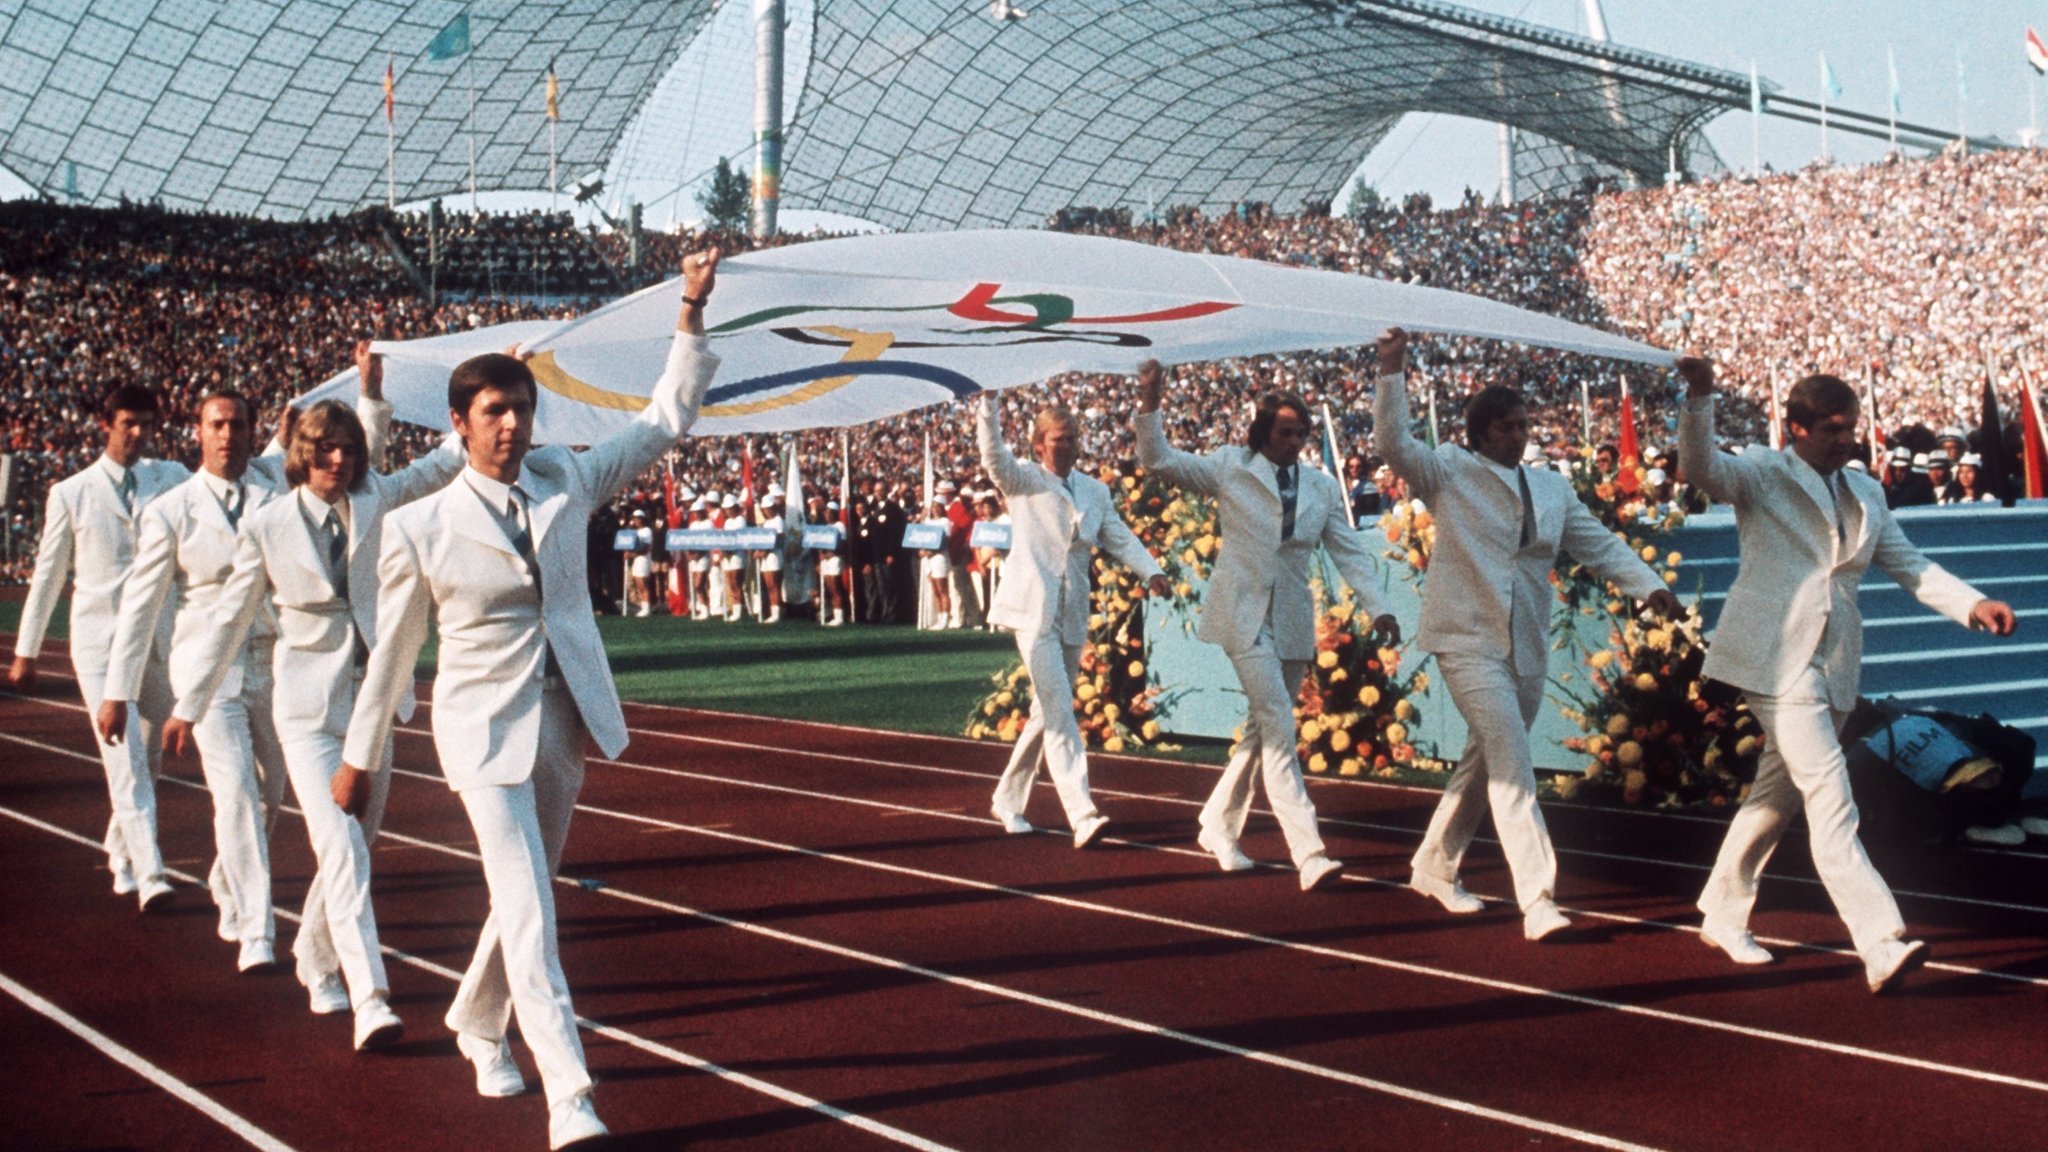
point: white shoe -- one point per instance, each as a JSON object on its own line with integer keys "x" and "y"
{"x": 377, "y": 1026}
{"x": 1740, "y": 946}
{"x": 1890, "y": 961}
{"x": 2005, "y": 835}
{"x": 573, "y": 1121}
{"x": 124, "y": 879}
{"x": 327, "y": 995}
{"x": 774, "y": 616}
{"x": 497, "y": 1074}
{"x": 1229, "y": 856}
{"x": 1317, "y": 871}
{"x": 1543, "y": 919}
{"x": 2034, "y": 825}
{"x": 644, "y": 611}
{"x": 227, "y": 927}
{"x": 155, "y": 894}
{"x": 1088, "y": 829}
{"x": 1449, "y": 893}
{"x": 1012, "y": 823}
{"x": 836, "y": 620}
{"x": 256, "y": 956}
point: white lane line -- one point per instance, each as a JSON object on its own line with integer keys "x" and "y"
{"x": 651, "y": 1047}
{"x": 200, "y": 1102}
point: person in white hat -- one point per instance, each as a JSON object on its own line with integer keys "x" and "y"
{"x": 732, "y": 564}
{"x": 768, "y": 561}
{"x": 700, "y": 561}
{"x": 1970, "y": 480}
{"x": 643, "y": 563}
{"x": 832, "y": 574}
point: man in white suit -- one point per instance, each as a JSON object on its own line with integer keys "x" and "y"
{"x": 496, "y": 561}
{"x": 89, "y": 534}
{"x": 1271, "y": 513}
{"x": 1486, "y": 618}
{"x": 1792, "y": 641}
{"x": 312, "y": 559}
{"x": 184, "y": 552}
{"x": 1058, "y": 517}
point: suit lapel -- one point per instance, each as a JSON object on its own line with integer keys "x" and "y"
{"x": 104, "y": 492}
{"x": 1810, "y": 482}
{"x": 475, "y": 520}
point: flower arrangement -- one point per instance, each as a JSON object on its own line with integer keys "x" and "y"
{"x": 1410, "y": 529}
{"x": 1655, "y": 735}
{"x": 1178, "y": 527}
{"x": 1355, "y": 716}
{"x": 1629, "y": 516}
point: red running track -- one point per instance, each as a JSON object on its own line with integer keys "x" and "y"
{"x": 803, "y": 936}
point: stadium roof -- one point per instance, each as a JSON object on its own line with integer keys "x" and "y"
{"x": 275, "y": 107}
{"x": 938, "y": 113}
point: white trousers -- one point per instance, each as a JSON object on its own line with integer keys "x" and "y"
{"x": 244, "y": 767}
{"x": 338, "y": 928}
{"x": 1802, "y": 766}
{"x": 1496, "y": 771}
{"x": 1051, "y": 736}
{"x": 520, "y": 830}
{"x": 1270, "y": 686}
{"x": 131, "y": 766}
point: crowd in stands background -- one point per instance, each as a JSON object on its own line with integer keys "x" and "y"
{"x": 1913, "y": 259}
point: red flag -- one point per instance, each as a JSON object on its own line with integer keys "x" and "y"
{"x": 1629, "y": 477}
{"x": 390, "y": 94}
{"x": 747, "y": 477}
{"x": 2033, "y": 442}
{"x": 2037, "y": 52}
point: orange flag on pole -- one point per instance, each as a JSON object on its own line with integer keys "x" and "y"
{"x": 390, "y": 94}
{"x": 2033, "y": 441}
{"x": 1629, "y": 478}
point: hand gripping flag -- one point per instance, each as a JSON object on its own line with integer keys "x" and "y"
{"x": 842, "y": 332}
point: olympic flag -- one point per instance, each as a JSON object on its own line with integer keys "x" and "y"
{"x": 841, "y": 332}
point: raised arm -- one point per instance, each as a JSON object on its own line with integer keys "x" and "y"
{"x": 1184, "y": 469}
{"x": 607, "y": 468}
{"x": 1719, "y": 475}
{"x": 371, "y": 406}
{"x": 1410, "y": 458}
{"x": 53, "y": 564}
{"x": 1012, "y": 478}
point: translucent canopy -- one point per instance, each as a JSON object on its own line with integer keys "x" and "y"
{"x": 938, "y": 113}
{"x": 276, "y": 107}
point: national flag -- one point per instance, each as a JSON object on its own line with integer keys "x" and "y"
{"x": 451, "y": 41}
{"x": 1891, "y": 64}
{"x": 1994, "y": 474}
{"x": 1830, "y": 87}
{"x": 930, "y": 480}
{"x": 554, "y": 110}
{"x": 1877, "y": 439}
{"x": 747, "y": 477}
{"x": 390, "y": 93}
{"x": 1629, "y": 477}
{"x": 1756, "y": 92}
{"x": 794, "y": 591}
{"x": 2033, "y": 441}
{"x": 2037, "y": 52}
{"x": 678, "y": 594}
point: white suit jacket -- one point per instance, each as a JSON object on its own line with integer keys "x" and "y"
{"x": 183, "y": 555}
{"x": 280, "y": 566}
{"x": 1256, "y": 573}
{"x": 88, "y": 535}
{"x": 1045, "y": 577}
{"x": 447, "y": 557}
{"x": 1794, "y": 575}
{"x": 1485, "y": 594}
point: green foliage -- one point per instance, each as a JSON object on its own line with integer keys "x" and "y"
{"x": 726, "y": 200}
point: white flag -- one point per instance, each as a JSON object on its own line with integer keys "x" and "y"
{"x": 841, "y": 332}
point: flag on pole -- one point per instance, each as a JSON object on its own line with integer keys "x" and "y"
{"x": 1432, "y": 414}
{"x": 1828, "y": 83}
{"x": 1777, "y": 415}
{"x": 747, "y": 476}
{"x": 930, "y": 481}
{"x": 1877, "y": 437}
{"x": 1756, "y": 92}
{"x": 1891, "y": 64}
{"x": 1995, "y": 473}
{"x": 1629, "y": 477}
{"x": 554, "y": 90}
{"x": 2037, "y": 52}
{"x": 390, "y": 93}
{"x": 2033, "y": 440}
{"x": 451, "y": 41}
{"x": 794, "y": 591}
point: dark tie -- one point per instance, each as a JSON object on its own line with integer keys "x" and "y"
{"x": 337, "y": 553}
{"x": 1528, "y": 508}
{"x": 126, "y": 489}
{"x": 1287, "y": 502}
{"x": 1841, "y": 509}
{"x": 232, "y": 505}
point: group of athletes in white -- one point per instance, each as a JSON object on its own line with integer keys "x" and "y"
{"x": 269, "y": 612}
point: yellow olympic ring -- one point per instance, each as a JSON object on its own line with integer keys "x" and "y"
{"x": 861, "y": 346}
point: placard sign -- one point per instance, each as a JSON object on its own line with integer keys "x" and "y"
{"x": 930, "y": 535}
{"x": 822, "y": 537}
{"x": 626, "y": 540}
{"x": 989, "y": 534}
{"x": 720, "y": 539}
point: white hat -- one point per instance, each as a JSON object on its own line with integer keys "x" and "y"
{"x": 774, "y": 490}
{"x": 946, "y": 486}
{"x": 1654, "y": 476}
{"x": 639, "y": 514}
{"x": 1970, "y": 460}
{"x": 1858, "y": 465}
{"x": 730, "y": 501}
{"x": 685, "y": 492}
{"x": 1939, "y": 460}
{"x": 1902, "y": 455}
{"x": 699, "y": 504}
{"x": 1953, "y": 433}
{"x": 1919, "y": 461}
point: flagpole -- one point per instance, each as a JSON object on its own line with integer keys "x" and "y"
{"x": 1824, "y": 108}
{"x": 1585, "y": 413}
{"x": 1892, "y": 112}
{"x": 469, "y": 59}
{"x": 1756, "y": 152}
{"x": 390, "y": 137}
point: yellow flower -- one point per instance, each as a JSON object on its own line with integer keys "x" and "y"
{"x": 1349, "y": 767}
{"x": 1183, "y": 589}
{"x": 1566, "y": 786}
{"x": 1745, "y": 746}
{"x": 1326, "y": 659}
{"x": 1206, "y": 545}
{"x": 1110, "y": 712}
{"x": 1673, "y": 560}
{"x": 1005, "y": 699}
{"x": 1671, "y": 577}
{"x": 1397, "y": 734}
{"x": 1311, "y": 729}
{"x": 1403, "y": 710}
{"x": 1317, "y": 763}
{"x": 1136, "y": 669}
{"x": 1596, "y": 744}
{"x": 1617, "y": 724}
{"x": 1658, "y": 638}
{"x": 1340, "y": 741}
{"x": 1341, "y": 613}
{"x": 1614, "y": 607}
{"x": 1414, "y": 558}
{"x": 1085, "y": 690}
{"x": 1113, "y": 744}
{"x": 1600, "y": 659}
{"x": 1151, "y": 730}
{"x": 1593, "y": 767}
{"x": 1368, "y": 696}
{"x": 1187, "y": 556}
{"x": 1629, "y": 754}
{"x": 1646, "y": 682}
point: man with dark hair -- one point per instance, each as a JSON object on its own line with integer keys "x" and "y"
{"x": 1486, "y": 619}
{"x": 89, "y": 531}
{"x": 311, "y": 560}
{"x": 1271, "y": 513}
{"x": 1791, "y": 641}
{"x": 495, "y": 561}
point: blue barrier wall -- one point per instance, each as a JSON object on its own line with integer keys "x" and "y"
{"x": 1910, "y": 654}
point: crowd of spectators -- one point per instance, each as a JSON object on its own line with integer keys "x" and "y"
{"x": 533, "y": 254}
{"x": 1912, "y": 273}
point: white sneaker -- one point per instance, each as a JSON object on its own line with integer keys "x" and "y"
{"x": 155, "y": 895}
{"x": 573, "y": 1121}
{"x": 327, "y": 995}
{"x": 1890, "y": 961}
{"x": 1317, "y": 871}
{"x": 497, "y": 1074}
{"x": 256, "y": 956}
{"x": 1229, "y": 856}
{"x": 643, "y": 611}
{"x": 1088, "y": 829}
{"x": 2034, "y": 825}
{"x": 1740, "y": 946}
{"x": 1449, "y": 893}
{"x": 377, "y": 1026}
{"x": 1543, "y": 919}
{"x": 1013, "y": 823}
